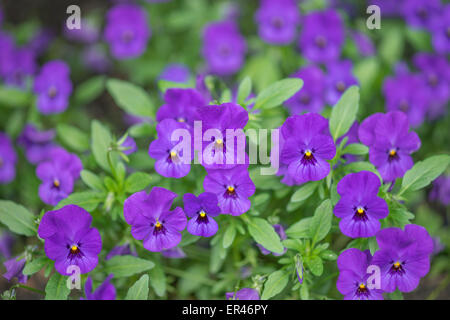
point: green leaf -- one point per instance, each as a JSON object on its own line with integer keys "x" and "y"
{"x": 244, "y": 90}
{"x": 264, "y": 234}
{"x": 125, "y": 266}
{"x": 130, "y": 98}
{"x": 142, "y": 130}
{"x": 320, "y": 223}
{"x": 158, "y": 280}
{"x": 228, "y": 236}
{"x": 275, "y": 283}
{"x": 89, "y": 90}
{"x": 17, "y": 218}
{"x": 277, "y": 93}
{"x": 137, "y": 181}
{"x": 343, "y": 114}
{"x": 304, "y": 191}
{"x": 57, "y": 288}
{"x": 92, "y": 180}
{"x": 73, "y": 137}
{"x": 315, "y": 264}
{"x": 88, "y": 200}
{"x": 299, "y": 229}
{"x": 164, "y": 85}
{"x": 34, "y": 266}
{"x": 356, "y": 148}
{"x": 101, "y": 141}
{"x": 361, "y": 166}
{"x": 423, "y": 172}
{"x": 139, "y": 290}
{"x": 328, "y": 255}
{"x": 14, "y": 98}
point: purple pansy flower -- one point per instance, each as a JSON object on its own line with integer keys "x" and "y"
{"x": 440, "y": 29}
{"x": 388, "y": 7}
{"x": 6, "y": 54}
{"x": 94, "y": 58}
{"x": 435, "y": 71}
{"x": 127, "y": 31}
{"x": 277, "y": 21}
{"x": 201, "y": 210}
{"x": 359, "y": 208}
{"x": 232, "y": 187}
{"x": 174, "y": 253}
{"x": 280, "y": 231}
{"x": 224, "y": 47}
{"x": 441, "y": 190}
{"x": 40, "y": 41}
{"x": 310, "y": 97}
{"x": 353, "y": 276}
{"x": 339, "y": 78}
{"x": 181, "y": 105}
{"x": 307, "y": 147}
{"x": 419, "y": 13}
{"x": 6, "y": 243}
{"x": 171, "y": 161}
{"x": 53, "y": 87}
{"x": 151, "y": 219}
{"x": 8, "y": 159}
{"x": 14, "y": 269}
{"x": 390, "y": 143}
{"x": 120, "y": 251}
{"x": 408, "y": 93}
{"x": 20, "y": 67}
{"x": 243, "y": 294}
{"x": 217, "y": 151}
{"x": 175, "y": 73}
{"x": 403, "y": 257}
{"x": 37, "y": 143}
{"x": 106, "y": 291}
{"x": 130, "y": 145}
{"x": 318, "y": 42}
{"x": 70, "y": 240}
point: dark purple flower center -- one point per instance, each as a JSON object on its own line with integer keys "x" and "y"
{"x": 321, "y": 42}
{"x": 362, "y": 291}
{"x": 180, "y": 119}
{"x": 360, "y": 213}
{"x": 56, "y": 184}
{"x": 432, "y": 80}
{"x": 1, "y": 162}
{"x": 202, "y": 217}
{"x": 277, "y": 23}
{"x": 308, "y": 157}
{"x": 397, "y": 268}
{"x": 224, "y": 50}
{"x": 173, "y": 156}
{"x": 447, "y": 32}
{"x": 422, "y": 14}
{"x": 74, "y": 251}
{"x": 305, "y": 98}
{"x": 230, "y": 192}
{"x": 340, "y": 86}
{"x": 127, "y": 36}
{"x": 158, "y": 227}
{"x": 52, "y": 92}
{"x": 393, "y": 155}
{"x": 403, "y": 106}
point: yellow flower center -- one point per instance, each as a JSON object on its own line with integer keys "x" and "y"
{"x": 392, "y": 152}
{"x": 360, "y": 210}
{"x": 362, "y": 286}
{"x": 74, "y": 248}
{"x": 219, "y": 142}
{"x": 56, "y": 183}
{"x": 308, "y": 153}
{"x": 202, "y": 214}
{"x": 173, "y": 154}
{"x": 230, "y": 189}
{"x": 397, "y": 265}
{"x": 158, "y": 225}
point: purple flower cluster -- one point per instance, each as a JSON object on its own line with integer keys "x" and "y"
{"x": 127, "y": 31}
{"x": 224, "y": 48}
{"x": 37, "y": 143}
{"x": 201, "y": 210}
{"x": 58, "y": 175}
{"x": 390, "y": 143}
{"x": 359, "y": 208}
{"x": 70, "y": 240}
{"x": 53, "y": 87}
{"x": 8, "y": 159}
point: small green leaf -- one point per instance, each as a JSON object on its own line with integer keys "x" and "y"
{"x": 315, "y": 264}
{"x": 264, "y": 234}
{"x": 89, "y": 90}
{"x": 137, "y": 181}
{"x": 423, "y": 172}
{"x": 101, "y": 141}
{"x": 320, "y": 223}
{"x": 17, "y": 218}
{"x": 343, "y": 114}
{"x": 299, "y": 229}
{"x": 73, "y": 137}
{"x": 130, "y": 98}
{"x": 164, "y": 85}
{"x": 34, "y": 266}
{"x": 158, "y": 280}
{"x": 229, "y": 235}
{"x": 125, "y": 266}
{"x": 139, "y": 290}
{"x": 88, "y": 200}
{"x": 356, "y": 148}
{"x": 92, "y": 180}
{"x": 275, "y": 283}
{"x": 304, "y": 191}
{"x": 57, "y": 288}
{"x": 244, "y": 90}
{"x": 14, "y": 98}
{"x": 277, "y": 93}
{"x": 361, "y": 166}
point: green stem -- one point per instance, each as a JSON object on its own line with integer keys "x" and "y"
{"x": 433, "y": 295}
{"x": 28, "y": 288}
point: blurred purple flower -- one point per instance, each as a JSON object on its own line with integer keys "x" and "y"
{"x": 353, "y": 276}
{"x": 53, "y": 87}
{"x": 441, "y": 190}
{"x": 232, "y": 187}
{"x": 123, "y": 250}
{"x": 419, "y": 13}
{"x": 6, "y": 243}
{"x": 69, "y": 239}
{"x": 174, "y": 253}
{"x": 20, "y": 67}
{"x": 322, "y": 36}
{"x": 364, "y": 44}
{"x": 310, "y": 97}
{"x": 175, "y": 73}
{"x": 130, "y": 144}
{"x": 8, "y": 159}
{"x": 388, "y": 7}
{"x": 95, "y": 58}
{"x": 106, "y": 291}
{"x": 152, "y": 221}
{"x": 440, "y": 30}
{"x": 277, "y": 21}
{"x": 201, "y": 210}
{"x": 37, "y": 143}
{"x": 87, "y": 34}
{"x": 243, "y": 294}
{"x": 40, "y": 41}
{"x": 224, "y": 47}
{"x": 127, "y": 31}
{"x": 338, "y": 79}
{"x": 14, "y": 269}
{"x": 403, "y": 257}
